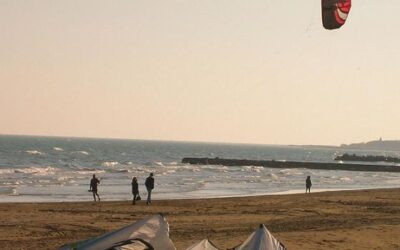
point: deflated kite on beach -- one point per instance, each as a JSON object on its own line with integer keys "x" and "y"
{"x": 261, "y": 239}
{"x": 203, "y": 245}
{"x": 150, "y": 233}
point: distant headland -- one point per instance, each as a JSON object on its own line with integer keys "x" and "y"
{"x": 388, "y": 145}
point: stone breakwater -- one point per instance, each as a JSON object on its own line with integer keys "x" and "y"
{"x": 368, "y": 158}
{"x": 291, "y": 164}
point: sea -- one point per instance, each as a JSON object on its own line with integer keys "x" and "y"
{"x": 56, "y": 169}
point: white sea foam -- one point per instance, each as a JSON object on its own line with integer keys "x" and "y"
{"x": 346, "y": 179}
{"x": 88, "y": 172}
{"x": 273, "y": 176}
{"x": 256, "y": 169}
{"x": 14, "y": 192}
{"x": 62, "y": 178}
{"x": 82, "y": 152}
{"x": 33, "y": 152}
{"x": 35, "y": 170}
{"x": 109, "y": 163}
{"x": 57, "y": 149}
{"x": 7, "y": 171}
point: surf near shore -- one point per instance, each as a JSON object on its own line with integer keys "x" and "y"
{"x": 364, "y": 219}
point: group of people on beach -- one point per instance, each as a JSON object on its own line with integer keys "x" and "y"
{"x": 149, "y": 183}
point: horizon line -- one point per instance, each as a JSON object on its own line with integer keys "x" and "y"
{"x": 163, "y": 140}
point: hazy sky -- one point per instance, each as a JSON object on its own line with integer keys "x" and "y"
{"x": 260, "y": 71}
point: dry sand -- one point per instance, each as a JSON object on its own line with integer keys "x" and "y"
{"x": 366, "y": 219}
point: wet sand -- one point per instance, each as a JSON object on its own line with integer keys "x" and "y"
{"x": 365, "y": 219}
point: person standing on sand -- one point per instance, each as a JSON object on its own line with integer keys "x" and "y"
{"x": 135, "y": 190}
{"x": 93, "y": 187}
{"x": 149, "y": 186}
{"x": 308, "y": 184}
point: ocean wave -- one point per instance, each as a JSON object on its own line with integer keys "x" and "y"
{"x": 81, "y": 152}
{"x": 154, "y": 164}
{"x": 290, "y": 172}
{"x": 192, "y": 168}
{"x": 33, "y": 152}
{"x": 346, "y": 179}
{"x": 8, "y": 191}
{"x": 29, "y": 170}
{"x": 214, "y": 167}
{"x": 256, "y": 169}
{"x": 109, "y": 163}
{"x": 63, "y": 178}
{"x": 57, "y": 149}
{"x": 35, "y": 170}
{"x": 171, "y": 171}
{"x": 273, "y": 176}
{"x": 89, "y": 171}
{"x": 117, "y": 170}
{"x": 7, "y": 171}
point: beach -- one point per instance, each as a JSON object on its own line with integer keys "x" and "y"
{"x": 363, "y": 219}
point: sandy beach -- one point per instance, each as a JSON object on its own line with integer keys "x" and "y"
{"x": 365, "y": 219}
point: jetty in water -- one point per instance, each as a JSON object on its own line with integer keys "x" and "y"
{"x": 291, "y": 164}
{"x": 368, "y": 158}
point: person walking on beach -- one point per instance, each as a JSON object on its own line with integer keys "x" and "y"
{"x": 149, "y": 186}
{"x": 308, "y": 184}
{"x": 135, "y": 190}
{"x": 93, "y": 187}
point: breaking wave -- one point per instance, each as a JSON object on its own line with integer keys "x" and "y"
{"x": 109, "y": 163}
{"x": 35, "y": 170}
{"x": 82, "y": 152}
{"x": 33, "y": 152}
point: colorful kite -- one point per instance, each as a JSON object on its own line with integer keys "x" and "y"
{"x": 334, "y": 13}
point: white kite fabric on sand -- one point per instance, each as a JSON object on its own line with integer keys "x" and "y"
{"x": 261, "y": 239}
{"x": 152, "y": 233}
{"x": 202, "y": 245}
{"x": 149, "y": 233}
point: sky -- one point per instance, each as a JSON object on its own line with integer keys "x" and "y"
{"x": 261, "y": 71}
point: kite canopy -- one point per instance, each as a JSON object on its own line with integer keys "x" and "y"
{"x": 202, "y": 245}
{"x": 149, "y": 233}
{"x": 261, "y": 239}
{"x": 334, "y": 13}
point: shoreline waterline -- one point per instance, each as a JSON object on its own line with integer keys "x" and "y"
{"x": 154, "y": 197}
{"x": 362, "y": 219}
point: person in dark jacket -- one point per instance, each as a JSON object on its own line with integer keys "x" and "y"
{"x": 149, "y": 186}
{"x": 135, "y": 189}
{"x": 308, "y": 184}
{"x": 93, "y": 187}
